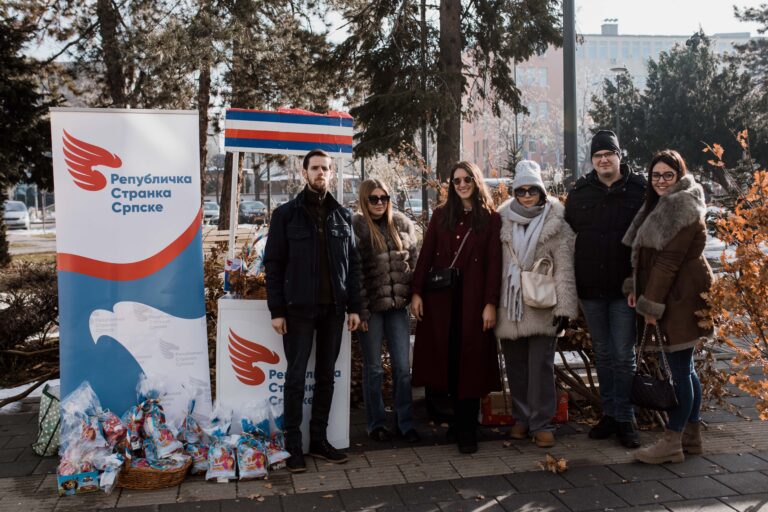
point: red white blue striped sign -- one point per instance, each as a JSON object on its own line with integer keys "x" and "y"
{"x": 288, "y": 132}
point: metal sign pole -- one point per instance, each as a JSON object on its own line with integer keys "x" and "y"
{"x": 233, "y": 203}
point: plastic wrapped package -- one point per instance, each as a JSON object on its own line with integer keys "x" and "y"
{"x": 221, "y": 458}
{"x": 276, "y": 452}
{"x": 159, "y": 432}
{"x": 110, "y": 466}
{"x": 251, "y": 457}
{"x": 112, "y": 427}
{"x": 133, "y": 419}
{"x": 190, "y": 430}
{"x": 199, "y": 454}
{"x": 79, "y": 418}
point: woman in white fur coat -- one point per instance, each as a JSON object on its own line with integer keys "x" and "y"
{"x": 533, "y": 228}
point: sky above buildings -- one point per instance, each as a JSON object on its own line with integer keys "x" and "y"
{"x": 663, "y": 17}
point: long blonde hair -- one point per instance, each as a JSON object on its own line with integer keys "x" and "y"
{"x": 377, "y": 239}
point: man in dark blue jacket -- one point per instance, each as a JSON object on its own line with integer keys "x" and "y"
{"x": 313, "y": 277}
{"x": 600, "y": 208}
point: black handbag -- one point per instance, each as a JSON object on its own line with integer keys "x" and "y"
{"x": 445, "y": 277}
{"x": 649, "y": 391}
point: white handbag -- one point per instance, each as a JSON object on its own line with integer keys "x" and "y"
{"x": 539, "y": 285}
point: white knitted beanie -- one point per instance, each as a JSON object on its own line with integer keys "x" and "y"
{"x": 528, "y": 173}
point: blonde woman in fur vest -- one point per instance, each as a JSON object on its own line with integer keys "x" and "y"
{"x": 386, "y": 241}
{"x": 669, "y": 275}
{"x": 533, "y": 228}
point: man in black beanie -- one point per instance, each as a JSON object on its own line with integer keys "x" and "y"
{"x": 600, "y": 207}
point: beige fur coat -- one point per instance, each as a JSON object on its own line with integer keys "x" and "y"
{"x": 556, "y": 242}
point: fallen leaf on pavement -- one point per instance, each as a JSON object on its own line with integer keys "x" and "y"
{"x": 553, "y": 464}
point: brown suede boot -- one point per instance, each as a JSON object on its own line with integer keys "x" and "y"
{"x": 668, "y": 448}
{"x": 692, "y": 438}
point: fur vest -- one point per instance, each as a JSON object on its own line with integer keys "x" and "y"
{"x": 386, "y": 274}
{"x": 556, "y": 242}
{"x": 669, "y": 269}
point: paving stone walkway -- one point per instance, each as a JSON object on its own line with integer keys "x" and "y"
{"x": 433, "y": 476}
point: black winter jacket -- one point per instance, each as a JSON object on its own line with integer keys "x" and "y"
{"x": 600, "y": 216}
{"x": 292, "y": 261}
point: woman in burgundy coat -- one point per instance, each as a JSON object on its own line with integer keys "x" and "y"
{"x": 455, "y": 347}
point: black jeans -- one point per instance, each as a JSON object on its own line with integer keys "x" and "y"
{"x": 297, "y": 343}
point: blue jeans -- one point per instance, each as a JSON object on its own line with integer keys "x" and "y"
{"x": 687, "y": 389}
{"x": 393, "y": 324}
{"x": 612, "y": 326}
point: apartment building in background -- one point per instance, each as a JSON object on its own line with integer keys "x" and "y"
{"x": 489, "y": 141}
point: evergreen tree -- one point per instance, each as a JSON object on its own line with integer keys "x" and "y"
{"x": 692, "y": 97}
{"x": 25, "y": 131}
{"x": 753, "y": 57}
{"x": 419, "y": 64}
{"x": 273, "y": 59}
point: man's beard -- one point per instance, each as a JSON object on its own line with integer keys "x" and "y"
{"x": 323, "y": 186}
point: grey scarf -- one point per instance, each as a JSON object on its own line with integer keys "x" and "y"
{"x": 527, "y": 224}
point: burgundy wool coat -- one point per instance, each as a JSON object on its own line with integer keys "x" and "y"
{"x": 480, "y": 267}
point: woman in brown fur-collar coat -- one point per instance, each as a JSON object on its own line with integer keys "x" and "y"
{"x": 387, "y": 242}
{"x": 670, "y": 275}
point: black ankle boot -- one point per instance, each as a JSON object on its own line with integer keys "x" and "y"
{"x": 295, "y": 463}
{"x": 604, "y": 429}
{"x": 627, "y": 435}
{"x": 466, "y": 441}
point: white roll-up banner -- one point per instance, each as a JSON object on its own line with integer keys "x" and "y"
{"x": 129, "y": 254}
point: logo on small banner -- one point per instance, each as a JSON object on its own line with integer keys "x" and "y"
{"x": 245, "y": 354}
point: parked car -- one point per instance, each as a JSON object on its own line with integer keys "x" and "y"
{"x": 414, "y": 206}
{"x": 210, "y": 212}
{"x": 252, "y": 212}
{"x": 15, "y": 215}
{"x": 493, "y": 183}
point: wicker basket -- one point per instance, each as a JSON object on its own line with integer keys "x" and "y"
{"x": 149, "y": 478}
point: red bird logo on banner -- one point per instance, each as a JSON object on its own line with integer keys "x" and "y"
{"x": 244, "y": 355}
{"x": 81, "y": 157}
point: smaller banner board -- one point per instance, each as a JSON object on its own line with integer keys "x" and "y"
{"x": 250, "y": 367}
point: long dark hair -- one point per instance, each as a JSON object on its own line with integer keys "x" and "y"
{"x": 482, "y": 204}
{"x": 673, "y": 159}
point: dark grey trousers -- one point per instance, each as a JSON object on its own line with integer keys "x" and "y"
{"x": 530, "y": 372}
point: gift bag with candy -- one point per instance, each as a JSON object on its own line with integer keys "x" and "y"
{"x": 194, "y": 439}
{"x": 84, "y": 450}
{"x": 221, "y": 458}
{"x": 163, "y": 442}
{"x": 133, "y": 419}
{"x": 199, "y": 454}
{"x": 222, "y": 450}
{"x": 251, "y": 457}
{"x": 255, "y": 419}
{"x": 113, "y": 428}
{"x": 276, "y": 451}
{"x": 190, "y": 430}
{"x": 80, "y": 419}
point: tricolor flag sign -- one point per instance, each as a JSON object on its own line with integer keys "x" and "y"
{"x": 288, "y": 132}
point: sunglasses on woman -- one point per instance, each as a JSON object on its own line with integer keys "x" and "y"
{"x": 467, "y": 179}
{"x": 378, "y": 199}
{"x": 522, "y": 192}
